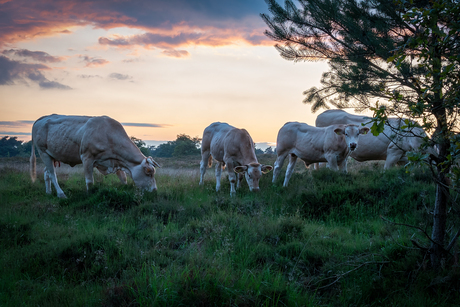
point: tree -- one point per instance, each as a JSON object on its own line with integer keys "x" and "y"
{"x": 395, "y": 58}
{"x": 141, "y": 145}
{"x": 258, "y": 151}
{"x": 269, "y": 151}
{"x": 164, "y": 150}
{"x": 184, "y": 145}
{"x": 11, "y": 147}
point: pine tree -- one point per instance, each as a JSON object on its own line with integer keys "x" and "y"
{"x": 398, "y": 58}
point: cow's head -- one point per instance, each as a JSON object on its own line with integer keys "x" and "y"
{"x": 253, "y": 172}
{"x": 144, "y": 174}
{"x": 351, "y": 133}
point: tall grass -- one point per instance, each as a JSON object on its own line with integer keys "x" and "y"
{"x": 320, "y": 242}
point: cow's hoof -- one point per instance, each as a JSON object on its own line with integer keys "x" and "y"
{"x": 62, "y": 195}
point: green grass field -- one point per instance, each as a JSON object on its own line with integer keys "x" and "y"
{"x": 329, "y": 239}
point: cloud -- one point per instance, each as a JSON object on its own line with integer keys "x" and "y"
{"x": 45, "y": 83}
{"x": 38, "y": 56}
{"x": 18, "y": 123}
{"x": 145, "y": 125}
{"x": 9, "y": 133}
{"x": 185, "y": 36}
{"x": 119, "y": 76}
{"x": 89, "y": 76}
{"x": 25, "y": 19}
{"x": 11, "y": 71}
{"x": 93, "y": 61}
{"x": 176, "y": 53}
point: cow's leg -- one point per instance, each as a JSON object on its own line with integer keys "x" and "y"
{"x": 319, "y": 165}
{"x": 88, "y": 166}
{"x": 332, "y": 162}
{"x": 278, "y": 165}
{"x": 50, "y": 175}
{"x": 231, "y": 177}
{"x": 343, "y": 165}
{"x": 122, "y": 176}
{"x": 218, "y": 174}
{"x": 240, "y": 178}
{"x": 47, "y": 181}
{"x": 394, "y": 155}
{"x": 204, "y": 164}
{"x": 290, "y": 169}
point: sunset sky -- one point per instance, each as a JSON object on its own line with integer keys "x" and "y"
{"x": 159, "y": 67}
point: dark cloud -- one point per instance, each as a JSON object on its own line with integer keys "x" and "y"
{"x": 144, "y": 125}
{"x": 25, "y": 19}
{"x": 93, "y": 61}
{"x": 45, "y": 83}
{"x": 119, "y": 76}
{"x": 89, "y": 76}
{"x": 39, "y": 56}
{"x": 11, "y": 71}
{"x": 170, "y": 41}
{"x": 14, "y": 133}
{"x": 17, "y": 123}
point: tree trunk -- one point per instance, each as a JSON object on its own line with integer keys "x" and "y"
{"x": 439, "y": 224}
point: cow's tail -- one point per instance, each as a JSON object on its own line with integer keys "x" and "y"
{"x": 210, "y": 161}
{"x": 33, "y": 164}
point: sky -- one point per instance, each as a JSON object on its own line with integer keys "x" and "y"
{"x": 159, "y": 67}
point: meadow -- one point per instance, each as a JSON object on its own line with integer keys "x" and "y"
{"x": 329, "y": 239}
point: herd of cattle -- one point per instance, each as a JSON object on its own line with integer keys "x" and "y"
{"x": 102, "y": 142}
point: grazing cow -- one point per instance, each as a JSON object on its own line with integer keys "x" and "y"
{"x": 388, "y": 146}
{"x": 312, "y": 144}
{"x": 99, "y": 142}
{"x": 232, "y": 147}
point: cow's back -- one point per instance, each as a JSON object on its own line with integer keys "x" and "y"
{"x": 213, "y": 139}
{"x": 104, "y": 136}
{"x": 332, "y": 117}
{"x": 239, "y": 146}
{"x": 300, "y": 138}
{"x": 60, "y": 136}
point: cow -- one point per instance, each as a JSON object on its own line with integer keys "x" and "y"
{"x": 98, "y": 141}
{"x": 311, "y": 144}
{"x": 234, "y": 148}
{"x": 391, "y": 145}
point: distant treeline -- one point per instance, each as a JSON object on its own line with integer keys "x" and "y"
{"x": 12, "y": 147}
{"x": 184, "y": 145}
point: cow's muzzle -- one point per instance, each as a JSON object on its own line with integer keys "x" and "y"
{"x": 353, "y": 146}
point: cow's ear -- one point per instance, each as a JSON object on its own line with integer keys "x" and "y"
{"x": 266, "y": 168}
{"x": 338, "y": 131}
{"x": 149, "y": 170}
{"x": 364, "y": 130}
{"x": 240, "y": 169}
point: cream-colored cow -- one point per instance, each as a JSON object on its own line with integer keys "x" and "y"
{"x": 99, "y": 142}
{"x": 234, "y": 148}
{"x": 312, "y": 144}
{"x": 391, "y": 145}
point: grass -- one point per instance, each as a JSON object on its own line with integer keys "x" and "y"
{"x": 319, "y": 242}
